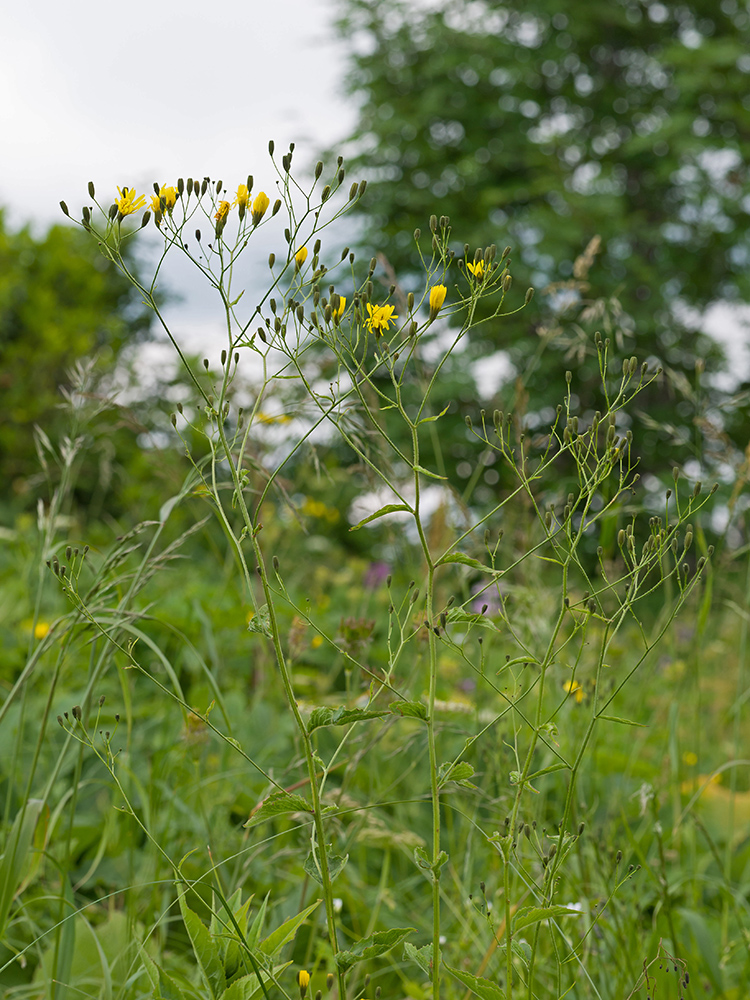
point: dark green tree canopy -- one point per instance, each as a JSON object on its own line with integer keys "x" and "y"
{"x": 542, "y": 125}
{"x": 59, "y": 301}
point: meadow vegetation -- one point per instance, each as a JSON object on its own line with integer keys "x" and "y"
{"x": 387, "y": 693}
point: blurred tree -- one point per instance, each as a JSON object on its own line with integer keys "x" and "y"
{"x": 543, "y": 125}
{"x": 59, "y": 301}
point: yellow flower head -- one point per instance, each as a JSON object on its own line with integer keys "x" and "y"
{"x": 574, "y": 688}
{"x": 129, "y": 202}
{"x": 303, "y": 981}
{"x": 223, "y": 212}
{"x": 169, "y": 194}
{"x": 242, "y": 197}
{"x": 437, "y": 298}
{"x": 260, "y": 205}
{"x": 300, "y": 257}
{"x": 477, "y": 269}
{"x": 40, "y": 630}
{"x": 380, "y": 317}
{"x": 338, "y": 311}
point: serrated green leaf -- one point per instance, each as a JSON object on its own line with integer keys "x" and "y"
{"x": 206, "y": 952}
{"x": 460, "y": 773}
{"x": 336, "y": 865}
{"x": 422, "y": 957}
{"x": 261, "y": 622}
{"x": 533, "y": 914}
{"x": 483, "y": 988}
{"x": 410, "y": 709}
{"x": 341, "y": 716}
{"x": 276, "y": 940}
{"x": 277, "y": 804}
{"x": 373, "y": 946}
{"x": 460, "y": 557}
{"x": 390, "y": 508}
{"x": 622, "y": 722}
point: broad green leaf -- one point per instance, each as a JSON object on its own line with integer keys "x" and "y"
{"x": 409, "y": 709}
{"x": 13, "y": 861}
{"x": 277, "y": 804}
{"x": 483, "y": 988}
{"x": 336, "y": 865}
{"x": 164, "y": 987}
{"x": 460, "y": 773}
{"x": 390, "y": 508}
{"x": 373, "y": 946}
{"x": 341, "y": 716}
{"x": 276, "y": 940}
{"x": 533, "y": 914}
{"x": 206, "y": 952}
{"x": 422, "y": 956}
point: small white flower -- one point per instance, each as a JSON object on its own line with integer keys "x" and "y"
{"x": 338, "y": 905}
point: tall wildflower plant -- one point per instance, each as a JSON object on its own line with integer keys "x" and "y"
{"x": 360, "y": 371}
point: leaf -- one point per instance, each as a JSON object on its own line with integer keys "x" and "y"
{"x": 336, "y": 865}
{"x": 483, "y": 988}
{"x": 409, "y": 709}
{"x": 261, "y": 622}
{"x": 164, "y": 987}
{"x": 277, "y": 804}
{"x": 390, "y": 508}
{"x": 429, "y": 420}
{"x": 559, "y": 766}
{"x": 341, "y": 716}
{"x": 371, "y": 947}
{"x": 426, "y": 472}
{"x": 206, "y": 952}
{"x": 276, "y": 940}
{"x": 422, "y": 957}
{"x": 460, "y": 773}
{"x": 623, "y": 722}
{"x": 16, "y": 848}
{"x": 533, "y": 914}
{"x": 460, "y": 557}
{"x": 458, "y": 617}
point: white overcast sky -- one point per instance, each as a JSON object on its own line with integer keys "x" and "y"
{"x": 125, "y": 94}
{"x": 130, "y": 93}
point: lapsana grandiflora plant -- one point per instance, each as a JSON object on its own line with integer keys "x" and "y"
{"x": 359, "y": 366}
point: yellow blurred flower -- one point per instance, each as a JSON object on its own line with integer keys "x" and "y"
{"x": 690, "y": 758}
{"x": 300, "y": 257}
{"x": 317, "y": 641}
{"x": 223, "y": 211}
{"x": 437, "y": 298}
{"x": 129, "y": 201}
{"x": 338, "y": 311}
{"x": 169, "y": 194}
{"x": 260, "y": 205}
{"x": 574, "y": 688}
{"x": 242, "y": 197}
{"x": 41, "y": 629}
{"x": 380, "y": 317}
{"x": 477, "y": 269}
